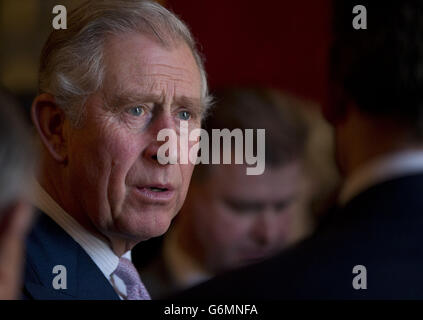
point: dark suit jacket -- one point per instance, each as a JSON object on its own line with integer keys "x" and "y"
{"x": 158, "y": 279}
{"x": 381, "y": 229}
{"x": 148, "y": 258}
{"x": 49, "y": 245}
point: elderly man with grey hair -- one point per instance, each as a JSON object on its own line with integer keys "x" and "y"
{"x": 120, "y": 73}
{"x": 16, "y": 163}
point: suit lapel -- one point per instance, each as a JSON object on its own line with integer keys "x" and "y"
{"x": 49, "y": 245}
{"x": 91, "y": 280}
{"x": 40, "y": 292}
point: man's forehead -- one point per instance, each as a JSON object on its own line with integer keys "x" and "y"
{"x": 134, "y": 69}
{"x": 140, "y": 53}
{"x": 233, "y": 179}
{"x": 149, "y": 78}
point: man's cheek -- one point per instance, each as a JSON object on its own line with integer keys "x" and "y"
{"x": 117, "y": 191}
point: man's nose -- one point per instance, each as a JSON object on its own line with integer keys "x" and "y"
{"x": 265, "y": 229}
{"x": 162, "y": 125}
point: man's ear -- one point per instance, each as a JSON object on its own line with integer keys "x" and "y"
{"x": 49, "y": 120}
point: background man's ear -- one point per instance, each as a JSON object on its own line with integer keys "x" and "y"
{"x": 49, "y": 120}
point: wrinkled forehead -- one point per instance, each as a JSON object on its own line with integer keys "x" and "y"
{"x": 134, "y": 61}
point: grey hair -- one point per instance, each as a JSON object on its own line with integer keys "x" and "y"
{"x": 72, "y": 67}
{"x": 17, "y": 156}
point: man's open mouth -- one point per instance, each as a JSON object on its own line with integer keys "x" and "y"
{"x": 157, "y": 193}
{"x": 157, "y": 189}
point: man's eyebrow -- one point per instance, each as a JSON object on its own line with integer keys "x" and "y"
{"x": 125, "y": 98}
{"x": 122, "y": 99}
{"x": 190, "y": 103}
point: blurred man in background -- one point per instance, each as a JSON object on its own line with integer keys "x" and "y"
{"x": 16, "y": 163}
{"x": 231, "y": 219}
{"x": 372, "y": 246}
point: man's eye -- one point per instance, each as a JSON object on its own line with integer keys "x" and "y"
{"x": 184, "y": 115}
{"x": 281, "y": 206}
{"x": 136, "y": 111}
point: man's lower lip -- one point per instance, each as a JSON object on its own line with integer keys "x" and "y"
{"x": 157, "y": 196}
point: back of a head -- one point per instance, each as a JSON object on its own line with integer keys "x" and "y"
{"x": 381, "y": 68}
{"x": 16, "y": 156}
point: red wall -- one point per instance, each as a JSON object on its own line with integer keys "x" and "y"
{"x": 276, "y": 43}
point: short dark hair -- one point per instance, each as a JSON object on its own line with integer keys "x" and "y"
{"x": 260, "y": 108}
{"x": 381, "y": 68}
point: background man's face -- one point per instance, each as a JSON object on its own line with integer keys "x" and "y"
{"x": 242, "y": 219}
{"x": 112, "y": 166}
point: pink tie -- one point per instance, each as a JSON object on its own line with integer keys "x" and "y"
{"x": 135, "y": 289}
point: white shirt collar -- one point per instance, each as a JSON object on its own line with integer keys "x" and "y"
{"x": 98, "y": 250}
{"x": 380, "y": 170}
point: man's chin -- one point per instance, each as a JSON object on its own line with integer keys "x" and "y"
{"x": 144, "y": 230}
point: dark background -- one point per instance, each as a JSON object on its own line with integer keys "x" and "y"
{"x": 282, "y": 44}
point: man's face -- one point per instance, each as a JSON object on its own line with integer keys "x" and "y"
{"x": 113, "y": 170}
{"x": 242, "y": 219}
